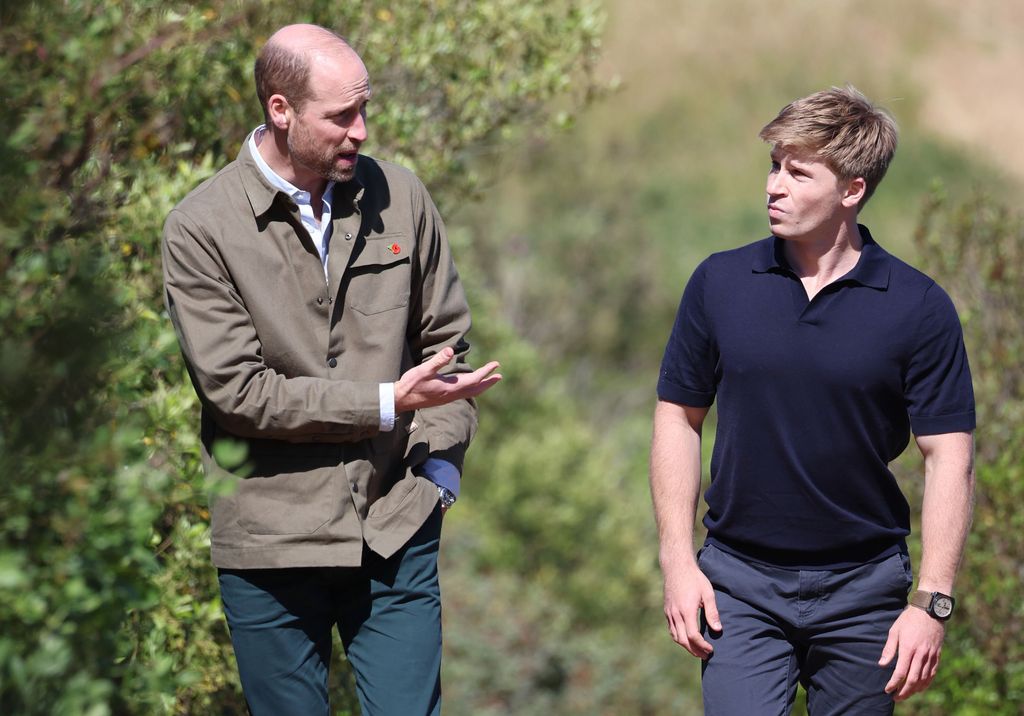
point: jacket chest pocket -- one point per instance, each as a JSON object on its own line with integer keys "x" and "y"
{"x": 378, "y": 278}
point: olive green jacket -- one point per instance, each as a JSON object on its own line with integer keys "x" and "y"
{"x": 288, "y": 364}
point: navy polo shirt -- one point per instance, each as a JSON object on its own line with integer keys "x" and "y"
{"x": 815, "y": 398}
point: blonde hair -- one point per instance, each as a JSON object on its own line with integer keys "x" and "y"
{"x": 842, "y": 128}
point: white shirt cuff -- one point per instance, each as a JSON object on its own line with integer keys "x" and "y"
{"x": 387, "y": 407}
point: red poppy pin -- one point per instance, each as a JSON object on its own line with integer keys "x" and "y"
{"x": 395, "y": 249}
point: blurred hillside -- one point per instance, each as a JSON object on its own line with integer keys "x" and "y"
{"x": 958, "y": 60}
{"x": 597, "y": 229}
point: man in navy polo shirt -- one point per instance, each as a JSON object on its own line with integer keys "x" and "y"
{"x": 824, "y": 353}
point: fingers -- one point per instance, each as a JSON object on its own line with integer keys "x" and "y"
{"x": 482, "y": 378}
{"x": 919, "y": 675}
{"x": 684, "y": 625}
{"x": 677, "y": 632}
{"x": 899, "y": 676}
{"x": 439, "y": 360}
{"x": 469, "y": 385}
{"x": 423, "y": 386}
{"x": 695, "y": 642}
{"x": 711, "y": 609}
{"x": 915, "y": 641}
{"x": 429, "y": 368}
{"x": 483, "y": 371}
{"x": 913, "y": 674}
{"x": 685, "y": 631}
{"x": 888, "y": 651}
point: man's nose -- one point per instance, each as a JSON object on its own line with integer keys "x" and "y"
{"x": 774, "y": 185}
{"x": 357, "y": 132}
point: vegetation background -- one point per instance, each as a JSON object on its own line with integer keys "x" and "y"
{"x": 586, "y": 158}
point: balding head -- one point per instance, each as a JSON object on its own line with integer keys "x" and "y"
{"x": 283, "y": 65}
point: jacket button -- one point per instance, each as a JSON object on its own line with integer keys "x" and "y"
{"x": 332, "y": 362}
{"x": 320, "y": 300}
{"x": 355, "y": 487}
{"x": 348, "y": 237}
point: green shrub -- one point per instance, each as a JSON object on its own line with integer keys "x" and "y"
{"x": 108, "y": 603}
{"x": 975, "y": 250}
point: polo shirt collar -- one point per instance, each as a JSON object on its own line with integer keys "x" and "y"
{"x": 262, "y": 193}
{"x": 872, "y": 268}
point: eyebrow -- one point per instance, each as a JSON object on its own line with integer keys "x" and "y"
{"x": 803, "y": 162}
{"x": 342, "y": 109}
{"x": 337, "y": 109}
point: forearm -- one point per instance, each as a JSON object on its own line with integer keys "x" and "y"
{"x": 449, "y": 429}
{"x": 264, "y": 404}
{"x": 675, "y": 470}
{"x": 440, "y": 319}
{"x": 947, "y": 508}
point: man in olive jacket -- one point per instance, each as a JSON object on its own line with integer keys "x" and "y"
{"x": 324, "y": 328}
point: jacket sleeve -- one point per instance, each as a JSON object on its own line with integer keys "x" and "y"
{"x": 439, "y": 318}
{"x": 224, "y": 358}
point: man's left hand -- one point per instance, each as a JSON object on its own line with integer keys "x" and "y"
{"x": 422, "y": 386}
{"x": 917, "y": 639}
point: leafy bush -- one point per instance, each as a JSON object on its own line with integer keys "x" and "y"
{"x": 107, "y": 600}
{"x": 975, "y": 250}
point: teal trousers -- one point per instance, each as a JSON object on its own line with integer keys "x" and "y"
{"x": 387, "y": 612}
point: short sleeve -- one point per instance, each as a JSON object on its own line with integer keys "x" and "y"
{"x": 688, "y": 367}
{"x": 937, "y": 382}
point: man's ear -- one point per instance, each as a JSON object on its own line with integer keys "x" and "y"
{"x": 854, "y": 192}
{"x": 279, "y": 111}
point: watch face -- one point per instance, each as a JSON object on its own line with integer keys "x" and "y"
{"x": 943, "y": 607}
{"x": 447, "y": 496}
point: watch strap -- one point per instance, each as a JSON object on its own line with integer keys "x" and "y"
{"x": 936, "y": 604}
{"x": 921, "y": 599}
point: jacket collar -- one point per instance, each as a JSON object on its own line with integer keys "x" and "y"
{"x": 262, "y": 194}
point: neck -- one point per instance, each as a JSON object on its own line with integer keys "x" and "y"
{"x": 827, "y": 257}
{"x": 273, "y": 147}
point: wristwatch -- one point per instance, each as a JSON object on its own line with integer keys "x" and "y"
{"x": 447, "y": 496}
{"x": 937, "y": 604}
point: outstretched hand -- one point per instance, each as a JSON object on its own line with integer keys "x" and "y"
{"x": 424, "y": 387}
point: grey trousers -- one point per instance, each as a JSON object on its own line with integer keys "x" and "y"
{"x": 822, "y": 628}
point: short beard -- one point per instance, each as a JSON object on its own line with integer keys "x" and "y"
{"x": 321, "y": 163}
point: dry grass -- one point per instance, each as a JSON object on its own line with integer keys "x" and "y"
{"x": 952, "y": 67}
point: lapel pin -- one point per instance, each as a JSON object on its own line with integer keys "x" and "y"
{"x": 395, "y": 249}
